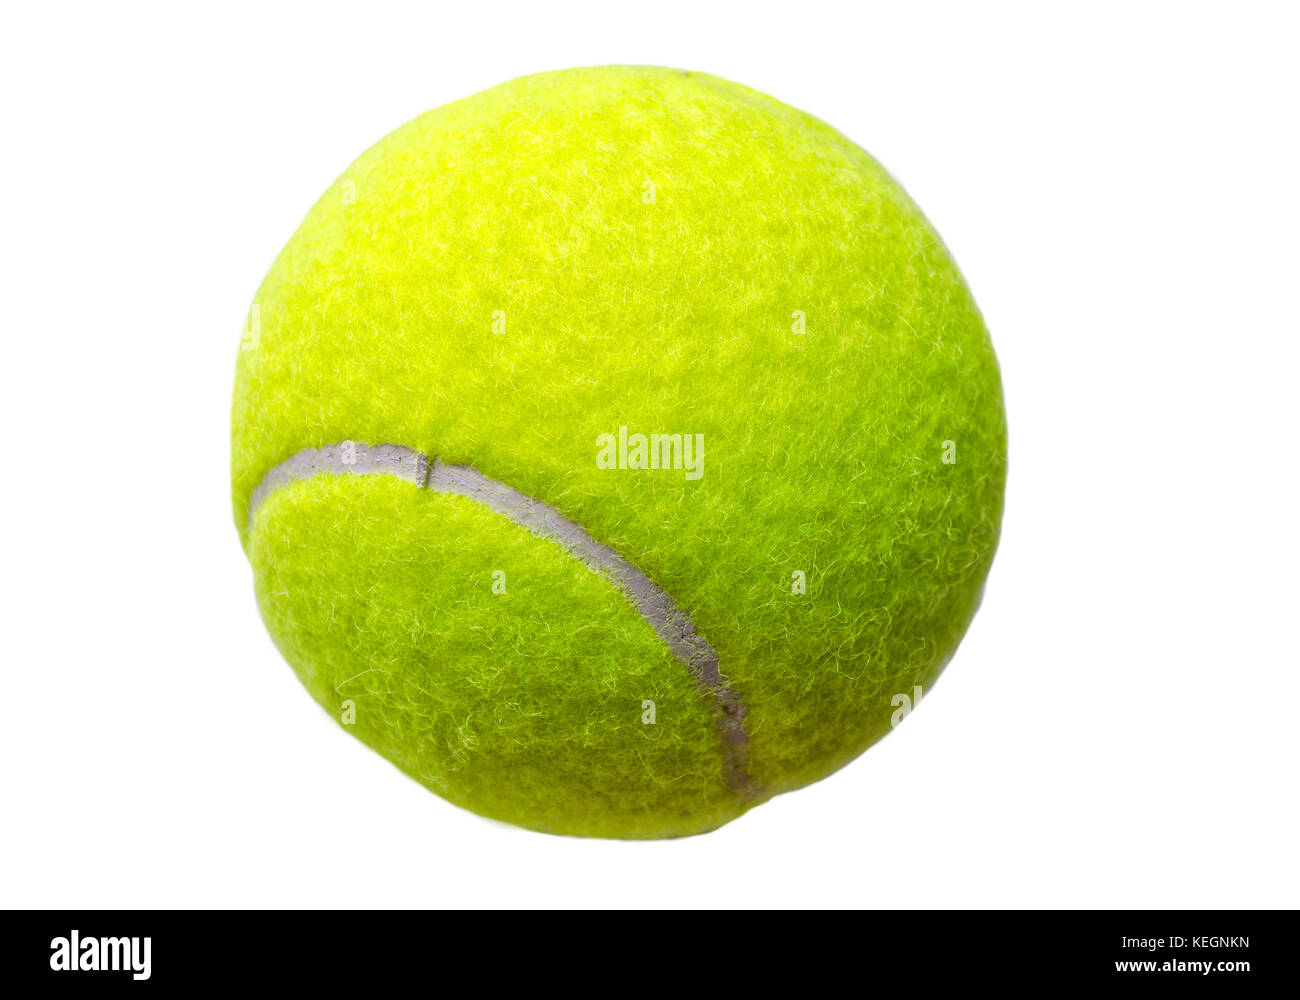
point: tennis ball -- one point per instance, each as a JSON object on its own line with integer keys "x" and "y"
{"x": 616, "y": 449}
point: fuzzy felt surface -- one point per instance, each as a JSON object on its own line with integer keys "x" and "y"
{"x": 525, "y": 704}
{"x": 506, "y": 279}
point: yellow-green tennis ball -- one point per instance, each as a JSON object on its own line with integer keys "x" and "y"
{"x": 616, "y": 449}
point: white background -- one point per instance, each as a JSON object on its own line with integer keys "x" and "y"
{"x": 1118, "y": 183}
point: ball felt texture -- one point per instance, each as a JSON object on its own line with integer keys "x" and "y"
{"x": 510, "y": 283}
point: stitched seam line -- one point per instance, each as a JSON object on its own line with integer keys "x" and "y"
{"x": 673, "y": 626}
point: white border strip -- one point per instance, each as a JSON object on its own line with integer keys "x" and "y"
{"x": 651, "y": 601}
